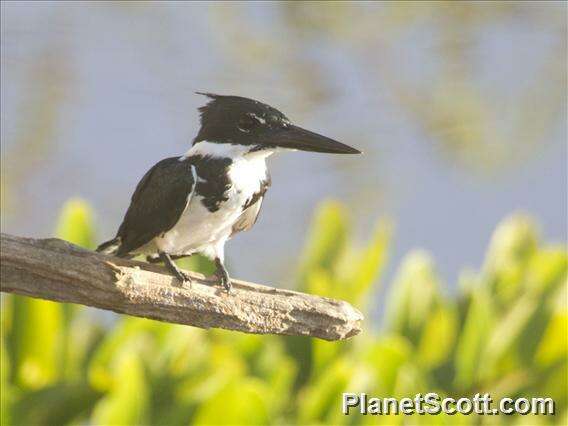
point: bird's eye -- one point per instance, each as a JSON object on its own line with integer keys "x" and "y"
{"x": 247, "y": 123}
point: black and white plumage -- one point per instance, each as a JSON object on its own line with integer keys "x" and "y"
{"x": 196, "y": 202}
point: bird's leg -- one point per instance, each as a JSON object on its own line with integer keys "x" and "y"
{"x": 223, "y": 275}
{"x": 174, "y": 269}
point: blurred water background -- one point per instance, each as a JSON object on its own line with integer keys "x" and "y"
{"x": 460, "y": 109}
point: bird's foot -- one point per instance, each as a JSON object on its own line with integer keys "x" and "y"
{"x": 218, "y": 280}
{"x": 225, "y": 281}
{"x": 183, "y": 278}
{"x": 223, "y": 276}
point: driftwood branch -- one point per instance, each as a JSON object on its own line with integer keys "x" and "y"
{"x": 57, "y": 270}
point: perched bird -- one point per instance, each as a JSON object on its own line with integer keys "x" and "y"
{"x": 196, "y": 202}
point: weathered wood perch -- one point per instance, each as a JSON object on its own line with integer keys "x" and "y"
{"x": 57, "y": 270}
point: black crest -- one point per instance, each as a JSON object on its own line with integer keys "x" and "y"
{"x": 238, "y": 120}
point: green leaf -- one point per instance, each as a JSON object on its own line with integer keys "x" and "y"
{"x": 363, "y": 269}
{"x": 325, "y": 353}
{"x": 58, "y": 404}
{"x": 319, "y": 281}
{"x": 438, "y": 336}
{"x": 386, "y": 355}
{"x": 35, "y": 341}
{"x": 76, "y": 223}
{"x": 322, "y": 398}
{"x": 127, "y": 334}
{"x": 505, "y": 333}
{"x": 81, "y": 338}
{"x": 127, "y": 401}
{"x": 554, "y": 346}
{"x": 6, "y": 395}
{"x": 327, "y": 238}
{"x": 514, "y": 241}
{"x": 547, "y": 271}
{"x": 241, "y": 402}
{"x": 414, "y": 294}
{"x": 512, "y": 245}
{"x": 478, "y": 325}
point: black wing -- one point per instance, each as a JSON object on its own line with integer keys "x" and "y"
{"x": 157, "y": 203}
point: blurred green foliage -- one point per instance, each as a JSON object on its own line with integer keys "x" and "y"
{"x": 503, "y": 332}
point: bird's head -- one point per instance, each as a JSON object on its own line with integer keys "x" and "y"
{"x": 241, "y": 121}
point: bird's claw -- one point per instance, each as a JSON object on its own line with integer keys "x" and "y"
{"x": 183, "y": 278}
{"x": 222, "y": 280}
{"x": 226, "y": 283}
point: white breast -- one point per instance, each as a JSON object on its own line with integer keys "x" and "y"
{"x": 247, "y": 173}
{"x": 200, "y": 230}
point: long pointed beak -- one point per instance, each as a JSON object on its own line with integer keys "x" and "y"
{"x": 294, "y": 137}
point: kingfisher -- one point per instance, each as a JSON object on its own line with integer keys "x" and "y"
{"x": 196, "y": 202}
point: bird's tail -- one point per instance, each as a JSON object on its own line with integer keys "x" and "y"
{"x": 110, "y": 247}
